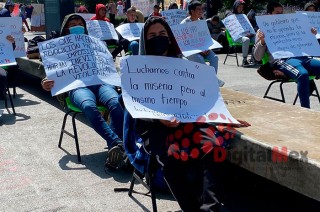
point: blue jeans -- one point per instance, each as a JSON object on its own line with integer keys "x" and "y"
{"x": 134, "y": 47}
{"x": 303, "y": 67}
{"x": 211, "y": 57}
{"x": 87, "y": 98}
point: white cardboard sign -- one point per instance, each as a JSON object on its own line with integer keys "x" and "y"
{"x": 102, "y": 30}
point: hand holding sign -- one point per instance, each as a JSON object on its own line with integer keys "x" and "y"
{"x": 165, "y": 88}
{"x": 77, "y": 61}
{"x": 288, "y": 35}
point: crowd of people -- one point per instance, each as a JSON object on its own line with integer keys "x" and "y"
{"x": 195, "y": 182}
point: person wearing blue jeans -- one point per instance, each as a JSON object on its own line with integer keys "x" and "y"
{"x": 107, "y": 95}
{"x": 87, "y": 99}
{"x": 195, "y": 11}
{"x": 297, "y": 68}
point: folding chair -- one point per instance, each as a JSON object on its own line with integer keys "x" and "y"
{"x": 232, "y": 50}
{"x": 73, "y": 111}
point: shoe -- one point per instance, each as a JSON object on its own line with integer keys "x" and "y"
{"x": 245, "y": 63}
{"x": 115, "y": 157}
{"x": 221, "y": 83}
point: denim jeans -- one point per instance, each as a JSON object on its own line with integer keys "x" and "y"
{"x": 302, "y": 68}
{"x": 134, "y": 47}
{"x": 211, "y": 57}
{"x": 87, "y": 98}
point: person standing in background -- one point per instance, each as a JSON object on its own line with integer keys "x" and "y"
{"x": 7, "y": 10}
{"x": 112, "y": 12}
{"x": 213, "y": 7}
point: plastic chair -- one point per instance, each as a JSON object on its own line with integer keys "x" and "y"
{"x": 265, "y": 60}
{"x": 73, "y": 111}
{"x": 233, "y": 48}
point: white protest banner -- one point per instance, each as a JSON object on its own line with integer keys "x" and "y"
{"x": 238, "y": 26}
{"x": 145, "y": 6}
{"x": 86, "y": 16}
{"x": 288, "y": 35}
{"x": 159, "y": 87}
{"x": 14, "y": 24}
{"x": 76, "y": 61}
{"x": 102, "y": 30}
{"x": 6, "y": 48}
{"x": 174, "y": 17}
{"x": 130, "y": 31}
{"x": 194, "y": 37}
{"x": 314, "y": 19}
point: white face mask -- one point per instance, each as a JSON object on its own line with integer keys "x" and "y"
{"x": 76, "y": 30}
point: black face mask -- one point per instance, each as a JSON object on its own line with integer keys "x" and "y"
{"x": 157, "y": 45}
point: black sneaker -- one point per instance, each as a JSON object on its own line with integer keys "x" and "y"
{"x": 115, "y": 157}
{"x": 245, "y": 63}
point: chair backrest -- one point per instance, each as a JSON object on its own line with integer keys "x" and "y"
{"x": 265, "y": 59}
{"x": 231, "y": 41}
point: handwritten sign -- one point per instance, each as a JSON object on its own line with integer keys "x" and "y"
{"x": 238, "y": 26}
{"x": 130, "y": 31}
{"x": 77, "y": 61}
{"x": 175, "y": 16}
{"x": 14, "y": 24}
{"x": 194, "y": 37}
{"x": 6, "y": 48}
{"x": 314, "y": 19}
{"x": 163, "y": 87}
{"x": 86, "y": 16}
{"x": 288, "y": 35}
{"x": 145, "y": 6}
{"x": 102, "y": 30}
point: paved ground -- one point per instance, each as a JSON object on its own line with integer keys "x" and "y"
{"x": 35, "y": 175}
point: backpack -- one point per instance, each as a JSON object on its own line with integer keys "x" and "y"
{"x": 33, "y": 49}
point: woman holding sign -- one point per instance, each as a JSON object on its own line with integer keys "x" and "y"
{"x": 86, "y": 99}
{"x": 297, "y": 68}
{"x": 188, "y": 165}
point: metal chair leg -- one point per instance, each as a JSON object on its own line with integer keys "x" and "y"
{"x": 11, "y": 102}
{"x": 75, "y": 133}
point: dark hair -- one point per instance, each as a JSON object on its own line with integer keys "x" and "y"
{"x": 174, "y": 49}
{"x": 193, "y": 5}
{"x": 173, "y": 6}
{"x": 215, "y": 18}
{"x": 271, "y": 6}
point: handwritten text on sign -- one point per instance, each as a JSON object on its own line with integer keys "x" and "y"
{"x": 145, "y": 6}
{"x": 77, "y": 61}
{"x": 14, "y": 24}
{"x": 288, "y": 35}
{"x": 314, "y": 19}
{"x": 102, "y": 30}
{"x": 6, "y": 48}
{"x": 194, "y": 37}
{"x": 174, "y": 17}
{"x": 162, "y": 88}
{"x": 238, "y": 26}
{"x": 130, "y": 31}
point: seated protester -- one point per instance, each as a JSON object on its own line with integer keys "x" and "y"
{"x": 139, "y": 15}
{"x": 218, "y": 32}
{"x": 132, "y": 46}
{"x": 82, "y": 9}
{"x": 194, "y": 179}
{"x": 87, "y": 98}
{"x": 297, "y": 68}
{"x": 195, "y": 11}
{"x": 156, "y": 11}
{"x": 238, "y": 8}
{"x": 101, "y": 12}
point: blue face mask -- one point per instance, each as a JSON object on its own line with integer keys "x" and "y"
{"x": 76, "y": 30}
